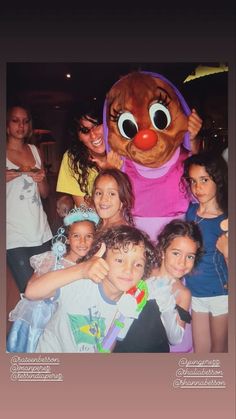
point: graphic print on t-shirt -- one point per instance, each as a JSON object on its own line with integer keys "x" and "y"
{"x": 88, "y": 329}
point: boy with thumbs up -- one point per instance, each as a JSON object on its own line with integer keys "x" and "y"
{"x": 90, "y": 290}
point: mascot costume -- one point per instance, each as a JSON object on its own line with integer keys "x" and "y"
{"x": 146, "y": 123}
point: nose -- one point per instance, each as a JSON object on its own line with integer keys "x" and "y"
{"x": 182, "y": 261}
{"x": 94, "y": 131}
{"x": 127, "y": 268}
{"x": 145, "y": 139}
{"x": 81, "y": 240}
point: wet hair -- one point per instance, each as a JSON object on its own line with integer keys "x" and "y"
{"x": 28, "y": 112}
{"x": 121, "y": 237}
{"x": 125, "y": 190}
{"x": 78, "y": 153}
{"x": 217, "y": 169}
{"x": 179, "y": 228}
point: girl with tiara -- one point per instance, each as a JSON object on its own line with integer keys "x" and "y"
{"x": 69, "y": 245}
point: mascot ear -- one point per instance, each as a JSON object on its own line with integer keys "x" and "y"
{"x": 105, "y": 127}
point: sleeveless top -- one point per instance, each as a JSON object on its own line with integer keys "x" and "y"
{"x": 210, "y": 277}
{"x": 27, "y": 223}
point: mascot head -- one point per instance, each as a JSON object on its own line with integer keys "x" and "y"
{"x": 145, "y": 119}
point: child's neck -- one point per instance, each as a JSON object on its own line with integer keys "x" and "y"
{"x": 209, "y": 209}
{"x": 110, "y": 291}
{"x": 71, "y": 257}
{"x": 162, "y": 273}
{"x": 117, "y": 220}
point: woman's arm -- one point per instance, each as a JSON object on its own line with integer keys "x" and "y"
{"x": 41, "y": 180}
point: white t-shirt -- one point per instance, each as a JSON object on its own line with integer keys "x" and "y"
{"x": 27, "y": 223}
{"x": 82, "y": 319}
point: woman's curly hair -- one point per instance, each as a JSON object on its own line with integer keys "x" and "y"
{"x": 125, "y": 191}
{"x": 179, "y": 228}
{"x": 217, "y": 169}
{"x": 121, "y": 237}
{"x": 79, "y": 156}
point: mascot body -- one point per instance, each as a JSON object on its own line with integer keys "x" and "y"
{"x": 145, "y": 119}
{"x": 145, "y": 122}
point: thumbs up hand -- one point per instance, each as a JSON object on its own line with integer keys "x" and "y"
{"x": 95, "y": 268}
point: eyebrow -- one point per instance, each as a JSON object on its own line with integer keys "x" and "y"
{"x": 165, "y": 91}
{"x": 179, "y": 250}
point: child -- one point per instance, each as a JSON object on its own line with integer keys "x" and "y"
{"x": 30, "y": 317}
{"x": 90, "y": 291}
{"x": 113, "y": 198}
{"x": 206, "y": 175}
{"x": 179, "y": 248}
{"x": 64, "y": 205}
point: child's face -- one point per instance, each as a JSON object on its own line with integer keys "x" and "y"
{"x": 202, "y": 186}
{"x": 80, "y": 239}
{"x": 126, "y": 269}
{"x": 106, "y": 198}
{"x": 62, "y": 209}
{"x": 178, "y": 258}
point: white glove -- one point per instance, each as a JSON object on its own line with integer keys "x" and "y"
{"x": 160, "y": 289}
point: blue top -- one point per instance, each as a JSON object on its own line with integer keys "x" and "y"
{"x": 210, "y": 276}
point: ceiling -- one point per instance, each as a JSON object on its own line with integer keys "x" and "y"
{"x": 44, "y": 86}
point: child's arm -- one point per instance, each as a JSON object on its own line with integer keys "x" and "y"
{"x": 183, "y": 299}
{"x": 45, "y": 286}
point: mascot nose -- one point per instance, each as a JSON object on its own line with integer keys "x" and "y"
{"x": 145, "y": 139}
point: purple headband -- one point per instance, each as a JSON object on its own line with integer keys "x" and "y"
{"x": 185, "y": 107}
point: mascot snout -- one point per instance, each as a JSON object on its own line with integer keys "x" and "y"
{"x": 145, "y": 139}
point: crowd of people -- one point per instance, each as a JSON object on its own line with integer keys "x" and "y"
{"x": 97, "y": 282}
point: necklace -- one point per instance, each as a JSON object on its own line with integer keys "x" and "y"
{"x": 200, "y": 219}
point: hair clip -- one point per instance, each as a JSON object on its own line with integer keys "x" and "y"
{"x": 82, "y": 213}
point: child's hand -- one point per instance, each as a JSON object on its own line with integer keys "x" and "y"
{"x": 96, "y": 268}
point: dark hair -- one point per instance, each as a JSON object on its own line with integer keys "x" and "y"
{"x": 125, "y": 190}
{"x": 217, "y": 169}
{"x": 179, "y": 228}
{"x": 27, "y": 110}
{"x": 79, "y": 155}
{"x": 121, "y": 237}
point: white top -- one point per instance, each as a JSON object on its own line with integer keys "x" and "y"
{"x": 27, "y": 223}
{"x": 82, "y": 319}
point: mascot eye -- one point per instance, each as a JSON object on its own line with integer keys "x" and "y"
{"x": 160, "y": 116}
{"x": 127, "y": 125}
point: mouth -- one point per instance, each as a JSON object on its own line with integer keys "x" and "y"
{"x": 98, "y": 142}
{"x": 82, "y": 249}
{"x": 125, "y": 279}
{"x": 104, "y": 207}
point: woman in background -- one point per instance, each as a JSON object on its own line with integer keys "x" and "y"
{"x": 28, "y": 231}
